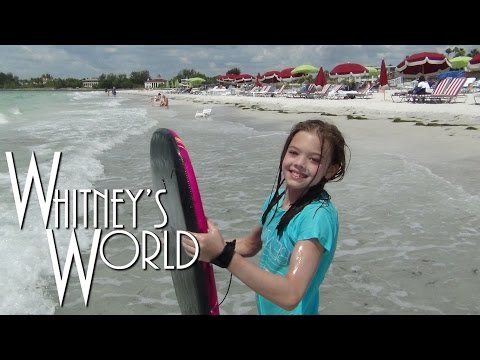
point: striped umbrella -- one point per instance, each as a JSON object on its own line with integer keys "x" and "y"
{"x": 424, "y": 63}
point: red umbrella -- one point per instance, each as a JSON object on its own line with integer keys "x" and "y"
{"x": 229, "y": 78}
{"x": 286, "y": 75}
{"x": 270, "y": 77}
{"x": 320, "y": 79}
{"x": 383, "y": 74}
{"x": 424, "y": 63}
{"x": 347, "y": 70}
{"x": 383, "y": 77}
{"x": 257, "y": 81}
{"x": 474, "y": 63}
{"x": 244, "y": 78}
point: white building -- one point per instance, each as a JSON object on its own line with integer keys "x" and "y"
{"x": 154, "y": 83}
{"x": 90, "y": 83}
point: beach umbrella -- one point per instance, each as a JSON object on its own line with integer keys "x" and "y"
{"x": 383, "y": 74}
{"x": 383, "y": 77}
{"x": 451, "y": 74}
{"x": 196, "y": 80}
{"x": 286, "y": 75}
{"x": 270, "y": 77}
{"x": 305, "y": 69}
{"x": 320, "y": 80}
{"x": 372, "y": 71}
{"x": 243, "y": 78}
{"x": 474, "y": 63}
{"x": 348, "y": 69}
{"x": 424, "y": 63}
{"x": 460, "y": 62}
{"x": 257, "y": 81}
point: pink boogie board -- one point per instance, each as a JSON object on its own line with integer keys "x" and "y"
{"x": 172, "y": 170}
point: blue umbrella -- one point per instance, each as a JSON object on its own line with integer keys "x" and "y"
{"x": 452, "y": 74}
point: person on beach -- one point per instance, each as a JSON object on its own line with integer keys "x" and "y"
{"x": 422, "y": 87}
{"x": 297, "y": 233}
{"x": 164, "y": 101}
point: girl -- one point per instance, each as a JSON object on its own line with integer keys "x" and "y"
{"x": 298, "y": 229}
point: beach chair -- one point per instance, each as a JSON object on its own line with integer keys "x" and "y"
{"x": 365, "y": 92}
{"x": 264, "y": 92}
{"x": 279, "y": 92}
{"x": 437, "y": 91}
{"x": 449, "y": 93}
{"x": 322, "y": 93}
{"x": 475, "y": 97}
{"x": 204, "y": 113}
{"x": 300, "y": 92}
{"x": 333, "y": 94}
{"x": 256, "y": 90}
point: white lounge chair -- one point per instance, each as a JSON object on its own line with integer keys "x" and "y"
{"x": 204, "y": 113}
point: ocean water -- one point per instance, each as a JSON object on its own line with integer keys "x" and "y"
{"x": 402, "y": 249}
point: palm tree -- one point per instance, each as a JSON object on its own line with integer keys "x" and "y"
{"x": 473, "y": 52}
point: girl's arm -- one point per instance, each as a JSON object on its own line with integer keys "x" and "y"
{"x": 251, "y": 244}
{"x": 285, "y": 291}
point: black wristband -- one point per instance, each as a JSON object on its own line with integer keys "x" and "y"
{"x": 225, "y": 257}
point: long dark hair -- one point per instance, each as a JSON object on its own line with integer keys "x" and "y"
{"x": 328, "y": 134}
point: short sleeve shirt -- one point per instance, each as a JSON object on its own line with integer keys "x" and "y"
{"x": 317, "y": 221}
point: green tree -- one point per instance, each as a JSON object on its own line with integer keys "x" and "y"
{"x": 473, "y": 52}
{"x": 139, "y": 77}
{"x": 235, "y": 71}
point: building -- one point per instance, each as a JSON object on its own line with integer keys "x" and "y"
{"x": 90, "y": 83}
{"x": 154, "y": 83}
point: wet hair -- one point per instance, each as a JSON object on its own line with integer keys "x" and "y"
{"x": 329, "y": 135}
{"x": 421, "y": 78}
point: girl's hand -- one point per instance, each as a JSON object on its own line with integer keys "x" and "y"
{"x": 211, "y": 243}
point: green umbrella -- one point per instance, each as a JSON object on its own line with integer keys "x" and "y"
{"x": 196, "y": 80}
{"x": 372, "y": 71}
{"x": 459, "y": 62}
{"x": 305, "y": 69}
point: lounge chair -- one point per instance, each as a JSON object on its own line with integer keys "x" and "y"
{"x": 204, "y": 113}
{"x": 437, "y": 91}
{"x": 450, "y": 93}
{"x": 322, "y": 93}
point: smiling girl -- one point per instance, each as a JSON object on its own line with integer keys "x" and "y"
{"x": 297, "y": 233}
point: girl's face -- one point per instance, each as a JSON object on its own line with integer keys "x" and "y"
{"x": 304, "y": 164}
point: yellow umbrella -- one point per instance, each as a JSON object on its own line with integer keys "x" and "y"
{"x": 460, "y": 62}
{"x": 305, "y": 69}
{"x": 372, "y": 71}
{"x": 196, "y": 80}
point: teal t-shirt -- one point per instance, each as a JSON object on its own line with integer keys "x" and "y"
{"x": 318, "y": 220}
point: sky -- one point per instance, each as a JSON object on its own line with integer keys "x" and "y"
{"x": 166, "y": 61}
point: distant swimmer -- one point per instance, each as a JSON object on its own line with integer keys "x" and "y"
{"x": 114, "y": 91}
{"x": 164, "y": 101}
{"x": 156, "y": 100}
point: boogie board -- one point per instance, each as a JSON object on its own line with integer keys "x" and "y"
{"x": 172, "y": 170}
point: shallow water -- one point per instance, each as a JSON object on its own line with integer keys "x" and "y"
{"x": 408, "y": 241}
